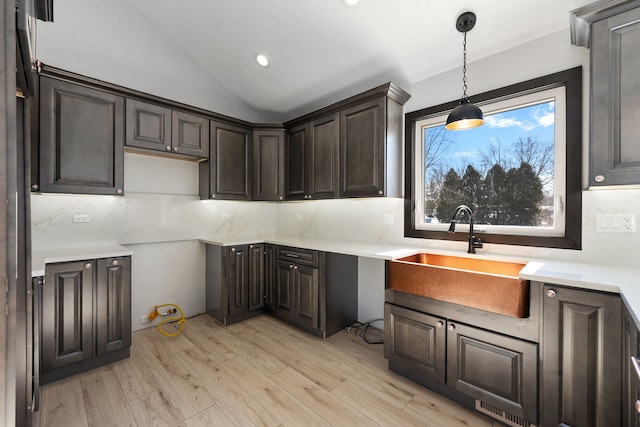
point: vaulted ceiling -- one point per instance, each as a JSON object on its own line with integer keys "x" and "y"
{"x": 320, "y": 48}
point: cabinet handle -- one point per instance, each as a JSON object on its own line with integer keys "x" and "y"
{"x": 115, "y": 262}
{"x": 292, "y": 255}
{"x": 168, "y": 148}
{"x": 451, "y": 327}
{"x": 87, "y": 265}
{"x": 440, "y": 324}
{"x": 599, "y": 178}
{"x": 551, "y": 293}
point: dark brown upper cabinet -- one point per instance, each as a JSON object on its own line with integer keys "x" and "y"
{"x": 363, "y": 162}
{"x": 148, "y": 126}
{"x": 189, "y": 134}
{"x": 615, "y": 89}
{"x": 81, "y": 140}
{"x": 312, "y": 159}
{"x": 229, "y": 167}
{"x": 159, "y": 128}
{"x": 268, "y": 164}
{"x": 350, "y": 149}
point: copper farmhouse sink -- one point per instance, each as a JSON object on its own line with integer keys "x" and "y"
{"x": 483, "y": 284}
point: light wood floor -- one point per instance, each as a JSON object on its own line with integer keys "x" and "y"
{"x": 261, "y": 372}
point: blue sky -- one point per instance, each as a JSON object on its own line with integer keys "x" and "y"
{"x": 534, "y": 121}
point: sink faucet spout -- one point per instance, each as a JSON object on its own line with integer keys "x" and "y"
{"x": 474, "y": 242}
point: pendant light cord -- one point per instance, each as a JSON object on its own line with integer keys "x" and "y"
{"x": 464, "y": 66}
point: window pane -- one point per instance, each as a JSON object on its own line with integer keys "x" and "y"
{"x": 503, "y": 170}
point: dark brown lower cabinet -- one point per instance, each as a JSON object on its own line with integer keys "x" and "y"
{"x": 417, "y": 341}
{"x": 630, "y": 377}
{"x": 499, "y": 371}
{"x": 86, "y": 316}
{"x": 235, "y": 282}
{"x": 316, "y": 291}
{"x": 581, "y": 372}
{"x": 495, "y": 373}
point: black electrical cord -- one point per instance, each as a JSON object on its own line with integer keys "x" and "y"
{"x": 361, "y": 328}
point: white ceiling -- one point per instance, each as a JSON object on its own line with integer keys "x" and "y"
{"x": 321, "y": 50}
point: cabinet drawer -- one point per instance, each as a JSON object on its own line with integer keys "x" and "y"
{"x": 297, "y": 255}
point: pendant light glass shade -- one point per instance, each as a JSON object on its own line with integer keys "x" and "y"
{"x": 466, "y": 115}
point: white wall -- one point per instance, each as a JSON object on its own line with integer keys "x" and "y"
{"x": 88, "y": 35}
{"x": 160, "y": 219}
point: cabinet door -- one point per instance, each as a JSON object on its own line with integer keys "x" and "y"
{"x": 229, "y": 162}
{"x": 268, "y": 161}
{"x": 497, "y": 370}
{"x": 306, "y": 310}
{"x": 295, "y": 162}
{"x": 189, "y": 134}
{"x": 81, "y": 139}
{"x": 323, "y": 158}
{"x": 581, "y": 353}
{"x": 256, "y": 280}
{"x": 238, "y": 280}
{"x": 113, "y": 304}
{"x": 67, "y": 314}
{"x": 362, "y": 156}
{"x": 630, "y": 380}
{"x": 415, "y": 342}
{"x": 284, "y": 290}
{"x": 615, "y": 95}
{"x": 148, "y": 126}
{"x": 269, "y": 277}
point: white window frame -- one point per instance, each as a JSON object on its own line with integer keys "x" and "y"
{"x": 556, "y": 94}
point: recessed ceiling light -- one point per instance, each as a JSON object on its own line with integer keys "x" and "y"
{"x": 350, "y": 3}
{"x": 262, "y": 60}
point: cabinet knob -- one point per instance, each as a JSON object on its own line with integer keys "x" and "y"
{"x": 380, "y": 192}
{"x": 115, "y": 262}
{"x": 233, "y": 249}
{"x": 451, "y": 327}
{"x": 168, "y": 148}
{"x": 290, "y": 265}
{"x": 598, "y": 178}
{"x": 213, "y": 196}
{"x": 119, "y": 191}
{"x": 175, "y": 149}
{"x": 551, "y": 293}
{"x": 440, "y": 324}
{"x": 35, "y": 187}
{"x": 295, "y": 267}
{"x": 280, "y": 197}
{"x": 87, "y": 265}
{"x": 638, "y": 406}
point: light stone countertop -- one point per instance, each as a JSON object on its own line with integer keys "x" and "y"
{"x": 40, "y": 258}
{"x": 625, "y": 281}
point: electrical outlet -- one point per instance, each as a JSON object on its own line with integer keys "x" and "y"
{"x": 616, "y": 223}
{"x": 144, "y": 319}
{"x": 81, "y": 218}
{"x": 226, "y": 217}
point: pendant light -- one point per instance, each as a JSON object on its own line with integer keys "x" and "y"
{"x": 466, "y": 115}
